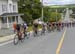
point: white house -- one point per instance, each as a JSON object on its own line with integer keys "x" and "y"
{"x": 8, "y": 13}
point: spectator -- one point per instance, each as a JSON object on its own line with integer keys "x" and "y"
{"x": 14, "y": 26}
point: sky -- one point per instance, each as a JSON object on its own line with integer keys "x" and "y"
{"x": 58, "y": 2}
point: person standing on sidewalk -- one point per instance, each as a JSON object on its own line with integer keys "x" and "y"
{"x": 14, "y": 26}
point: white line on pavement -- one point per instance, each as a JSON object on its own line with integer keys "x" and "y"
{"x": 6, "y": 43}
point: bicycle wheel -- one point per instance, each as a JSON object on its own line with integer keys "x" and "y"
{"x": 34, "y": 33}
{"x": 28, "y": 35}
{"x": 42, "y": 31}
{"x": 16, "y": 40}
{"x": 22, "y": 38}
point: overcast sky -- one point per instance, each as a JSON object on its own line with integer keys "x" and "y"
{"x": 58, "y": 2}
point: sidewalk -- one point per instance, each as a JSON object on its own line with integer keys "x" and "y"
{"x": 6, "y": 35}
{"x": 6, "y": 32}
{"x": 10, "y": 37}
{"x": 6, "y": 38}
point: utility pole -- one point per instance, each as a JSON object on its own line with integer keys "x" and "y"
{"x": 56, "y": 15}
{"x": 42, "y": 11}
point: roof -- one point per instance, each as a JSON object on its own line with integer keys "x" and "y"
{"x": 10, "y": 14}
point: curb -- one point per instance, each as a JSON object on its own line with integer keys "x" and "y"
{"x": 10, "y": 37}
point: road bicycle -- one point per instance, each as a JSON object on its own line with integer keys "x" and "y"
{"x": 35, "y": 32}
{"x": 20, "y": 37}
{"x": 43, "y": 31}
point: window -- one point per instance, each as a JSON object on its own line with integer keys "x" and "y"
{"x": 10, "y": 6}
{"x": 13, "y": 18}
{"x": 14, "y": 7}
{"x": 4, "y": 7}
{"x": 10, "y": 19}
{"x": 4, "y": 20}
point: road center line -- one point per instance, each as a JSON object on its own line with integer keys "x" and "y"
{"x": 60, "y": 43}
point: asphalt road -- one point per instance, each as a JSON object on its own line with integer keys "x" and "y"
{"x": 68, "y": 46}
{"x": 45, "y": 44}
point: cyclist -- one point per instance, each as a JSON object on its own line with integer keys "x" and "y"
{"x": 43, "y": 27}
{"x": 70, "y": 24}
{"x": 62, "y": 25}
{"x": 25, "y": 29}
{"x": 18, "y": 31}
{"x": 48, "y": 26}
{"x": 67, "y": 25}
{"x": 35, "y": 28}
{"x": 74, "y": 24}
{"x": 53, "y": 26}
{"x": 58, "y": 26}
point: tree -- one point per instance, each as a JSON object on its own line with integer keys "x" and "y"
{"x": 46, "y": 13}
{"x": 27, "y": 17}
{"x": 51, "y": 15}
{"x": 55, "y": 17}
{"x": 30, "y": 8}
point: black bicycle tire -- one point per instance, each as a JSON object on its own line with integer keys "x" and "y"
{"x": 23, "y": 38}
{"x": 15, "y": 43}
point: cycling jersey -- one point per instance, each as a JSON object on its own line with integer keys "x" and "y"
{"x": 36, "y": 25}
{"x": 18, "y": 27}
{"x": 25, "y": 26}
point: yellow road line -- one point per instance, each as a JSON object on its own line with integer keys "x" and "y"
{"x": 60, "y": 43}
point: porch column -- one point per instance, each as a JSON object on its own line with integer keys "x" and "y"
{"x": 16, "y": 19}
{"x": 7, "y": 23}
{"x": 20, "y": 21}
